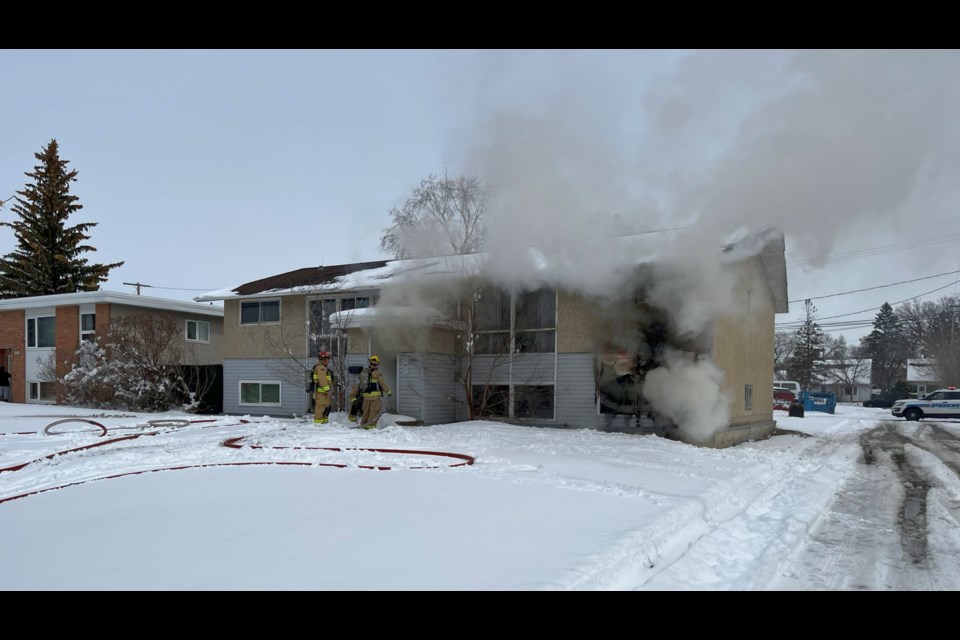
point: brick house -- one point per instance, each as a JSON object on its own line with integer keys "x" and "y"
{"x": 33, "y": 328}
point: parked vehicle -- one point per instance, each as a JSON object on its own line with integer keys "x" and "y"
{"x": 883, "y": 400}
{"x": 942, "y": 403}
{"x": 787, "y": 385}
{"x": 783, "y": 399}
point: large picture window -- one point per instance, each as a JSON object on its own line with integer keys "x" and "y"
{"x": 533, "y": 402}
{"x": 260, "y": 312}
{"x": 260, "y": 393}
{"x": 41, "y": 332}
{"x": 322, "y": 335}
{"x": 528, "y": 401}
{"x": 492, "y": 401}
{"x": 525, "y": 323}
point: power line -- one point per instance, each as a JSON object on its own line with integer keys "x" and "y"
{"x": 138, "y": 285}
{"x": 853, "y": 313}
{"x": 182, "y": 288}
{"x": 892, "y": 284}
{"x": 872, "y": 251}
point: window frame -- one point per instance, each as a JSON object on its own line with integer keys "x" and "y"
{"x": 514, "y": 400}
{"x": 260, "y": 319}
{"x": 260, "y": 383}
{"x": 197, "y": 339}
{"x": 35, "y": 321}
{"x": 331, "y": 340}
{"x": 88, "y": 334}
{"x": 517, "y": 340}
{"x": 39, "y": 386}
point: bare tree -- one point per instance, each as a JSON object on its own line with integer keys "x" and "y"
{"x": 844, "y": 365}
{"x": 144, "y": 366}
{"x": 934, "y": 329}
{"x": 443, "y": 216}
{"x": 783, "y": 345}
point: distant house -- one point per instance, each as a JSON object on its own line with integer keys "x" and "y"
{"x": 33, "y": 328}
{"x": 920, "y": 374}
{"x": 544, "y": 355}
{"x": 849, "y": 380}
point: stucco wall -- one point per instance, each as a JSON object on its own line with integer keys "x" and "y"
{"x": 576, "y": 324}
{"x": 266, "y": 340}
{"x": 743, "y": 346}
{"x": 193, "y": 352}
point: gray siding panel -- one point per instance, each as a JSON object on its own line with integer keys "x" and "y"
{"x": 428, "y": 387}
{"x": 440, "y": 391}
{"x": 410, "y": 388}
{"x": 524, "y": 368}
{"x": 294, "y": 400}
{"x": 534, "y": 368}
{"x": 576, "y": 400}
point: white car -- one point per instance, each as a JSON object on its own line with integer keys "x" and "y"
{"x": 787, "y": 385}
{"x": 942, "y": 403}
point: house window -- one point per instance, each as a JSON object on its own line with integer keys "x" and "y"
{"x": 526, "y": 323}
{"x": 43, "y": 391}
{"x": 535, "y": 322}
{"x": 491, "y": 401}
{"x": 88, "y": 327}
{"x": 747, "y": 397}
{"x": 348, "y": 304}
{"x": 260, "y": 393}
{"x": 529, "y": 401}
{"x": 41, "y": 332}
{"x": 262, "y": 312}
{"x": 322, "y": 335}
{"x": 533, "y": 402}
{"x": 198, "y": 331}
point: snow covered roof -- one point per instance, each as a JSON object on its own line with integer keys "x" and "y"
{"x": 920, "y": 370}
{"x": 352, "y": 277}
{"x": 860, "y": 370}
{"x": 111, "y": 297}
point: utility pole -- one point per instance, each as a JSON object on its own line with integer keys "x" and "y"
{"x": 137, "y": 285}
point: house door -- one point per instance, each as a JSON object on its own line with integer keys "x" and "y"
{"x": 6, "y": 359}
{"x": 409, "y": 390}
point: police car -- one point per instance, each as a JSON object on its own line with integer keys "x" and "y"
{"x": 942, "y": 403}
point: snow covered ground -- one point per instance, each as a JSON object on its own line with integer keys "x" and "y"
{"x": 539, "y": 509}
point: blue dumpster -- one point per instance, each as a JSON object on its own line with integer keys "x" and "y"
{"x": 818, "y": 401}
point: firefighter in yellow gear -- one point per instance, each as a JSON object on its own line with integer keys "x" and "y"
{"x": 372, "y": 387}
{"x": 355, "y": 404}
{"x": 323, "y": 382}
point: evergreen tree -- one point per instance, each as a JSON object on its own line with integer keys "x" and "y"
{"x": 808, "y": 350}
{"x": 47, "y": 258}
{"x": 887, "y": 346}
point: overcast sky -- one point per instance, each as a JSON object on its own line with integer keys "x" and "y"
{"x": 207, "y": 169}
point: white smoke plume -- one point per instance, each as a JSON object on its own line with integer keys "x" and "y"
{"x": 581, "y": 148}
{"x": 687, "y": 391}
